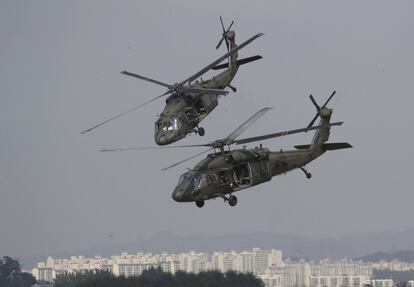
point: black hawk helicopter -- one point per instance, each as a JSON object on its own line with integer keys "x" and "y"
{"x": 224, "y": 172}
{"x": 190, "y": 102}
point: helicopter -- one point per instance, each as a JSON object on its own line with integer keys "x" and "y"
{"x": 190, "y": 100}
{"x": 224, "y": 172}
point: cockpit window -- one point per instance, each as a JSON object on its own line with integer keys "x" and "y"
{"x": 169, "y": 125}
{"x": 183, "y": 178}
{"x": 157, "y": 126}
{"x": 174, "y": 124}
{"x": 197, "y": 181}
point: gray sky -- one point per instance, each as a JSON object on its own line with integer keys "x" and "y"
{"x": 59, "y": 74}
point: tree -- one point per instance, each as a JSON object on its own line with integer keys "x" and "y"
{"x": 10, "y": 275}
{"x": 22, "y": 279}
{"x": 9, "y": 265}
{"x": 156, "y": 277}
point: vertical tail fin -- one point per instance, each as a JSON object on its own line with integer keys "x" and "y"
{"x": 231, "y": 35}
{"x": 322, "y": 135}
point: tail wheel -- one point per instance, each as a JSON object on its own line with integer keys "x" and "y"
{"x": 201, "y": 131}
{"x": 232, "y": 200}
{"x": 199, "y": 203}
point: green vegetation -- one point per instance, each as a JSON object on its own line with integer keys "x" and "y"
{"x": 156, "y": 277}
{"x": 11, "y": 275}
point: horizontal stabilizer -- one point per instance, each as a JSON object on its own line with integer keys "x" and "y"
{"x": 334, "y": 146}
{"x": 327, "y": 146}
{"x": 239, "y": 62}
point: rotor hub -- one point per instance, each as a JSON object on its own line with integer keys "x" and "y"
{"x": 177, "y": 87}
{"x": 325, "y": 112}
{"x": 230, "y": 35}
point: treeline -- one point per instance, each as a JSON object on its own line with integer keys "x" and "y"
{"x": 11, "y": 275}
{"x": 156, "y": 278}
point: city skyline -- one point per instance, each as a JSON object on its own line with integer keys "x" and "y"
{"x": 294, "y": 247}
{"x": 269, "y": 265}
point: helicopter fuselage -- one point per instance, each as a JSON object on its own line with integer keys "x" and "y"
{"x": 191, "y": 100}
{"x": 224, "y": 173}
{"x": 183, "y": 112}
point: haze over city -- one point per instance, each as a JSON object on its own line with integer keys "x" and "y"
{"x": 59, "y": 74}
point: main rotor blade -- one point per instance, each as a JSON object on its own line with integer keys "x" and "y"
{"x": 206, "y": 91}
{"x": 184, "y": 160}
{"x": 327, "y": 101}
{"x": 150, "y": 148}
{"x": 221, "y": 59}
{"x": 244, "y": 126}
{"x": 285, "y": 133}
{"x": 124, "y": 113}
{"x": 146, "y": 79}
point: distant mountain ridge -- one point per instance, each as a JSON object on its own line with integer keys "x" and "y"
{"x": 293, "y": 246}
{"x": 403, "y": 256}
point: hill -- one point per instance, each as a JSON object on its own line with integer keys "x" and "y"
{"x": 403, "y": 256}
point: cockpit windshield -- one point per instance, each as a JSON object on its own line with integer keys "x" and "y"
{"x": 193, "y": 179}
{"x": 174, "y": 124}
{"x": 184, "y": 178}
{"x": 196, "y": 180}
{"x": 157, "y": 126}
{"x": 168, "y": 125}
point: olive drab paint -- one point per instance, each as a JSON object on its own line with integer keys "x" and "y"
{"x": 191, "y": 100}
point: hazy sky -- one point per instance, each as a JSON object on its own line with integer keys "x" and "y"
{"x": 59, "y": 74}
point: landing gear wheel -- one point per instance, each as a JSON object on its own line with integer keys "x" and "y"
{"x": 307, "y": 173}
{"x": 199, "y": 203}
{"x": 232, "y": 200}
{"x": 201, "y": 132}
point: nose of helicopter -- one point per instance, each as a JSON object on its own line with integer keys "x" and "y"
{"x": 178, "y": 194}
{"x": 163, "y": 139}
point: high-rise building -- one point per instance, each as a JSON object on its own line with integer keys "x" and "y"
{"x": 295, "y": 274}
{"x": 275, "y": 258}
{"x": 244, "y": 262}
{"x": 224, "y": 261}
{"x": 339, "y": 281}
{"x": 43, "y": 274}
{"x": 382, "y": 283}
{"x": 260, "y": 260}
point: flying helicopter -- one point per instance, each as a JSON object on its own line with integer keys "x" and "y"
{"x": 190, "y": 100}
{"x": 224, "y": 172}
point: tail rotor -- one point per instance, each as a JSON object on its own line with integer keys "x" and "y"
{"x": 318, "y": 108}
{"x": 224, "y": 37}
